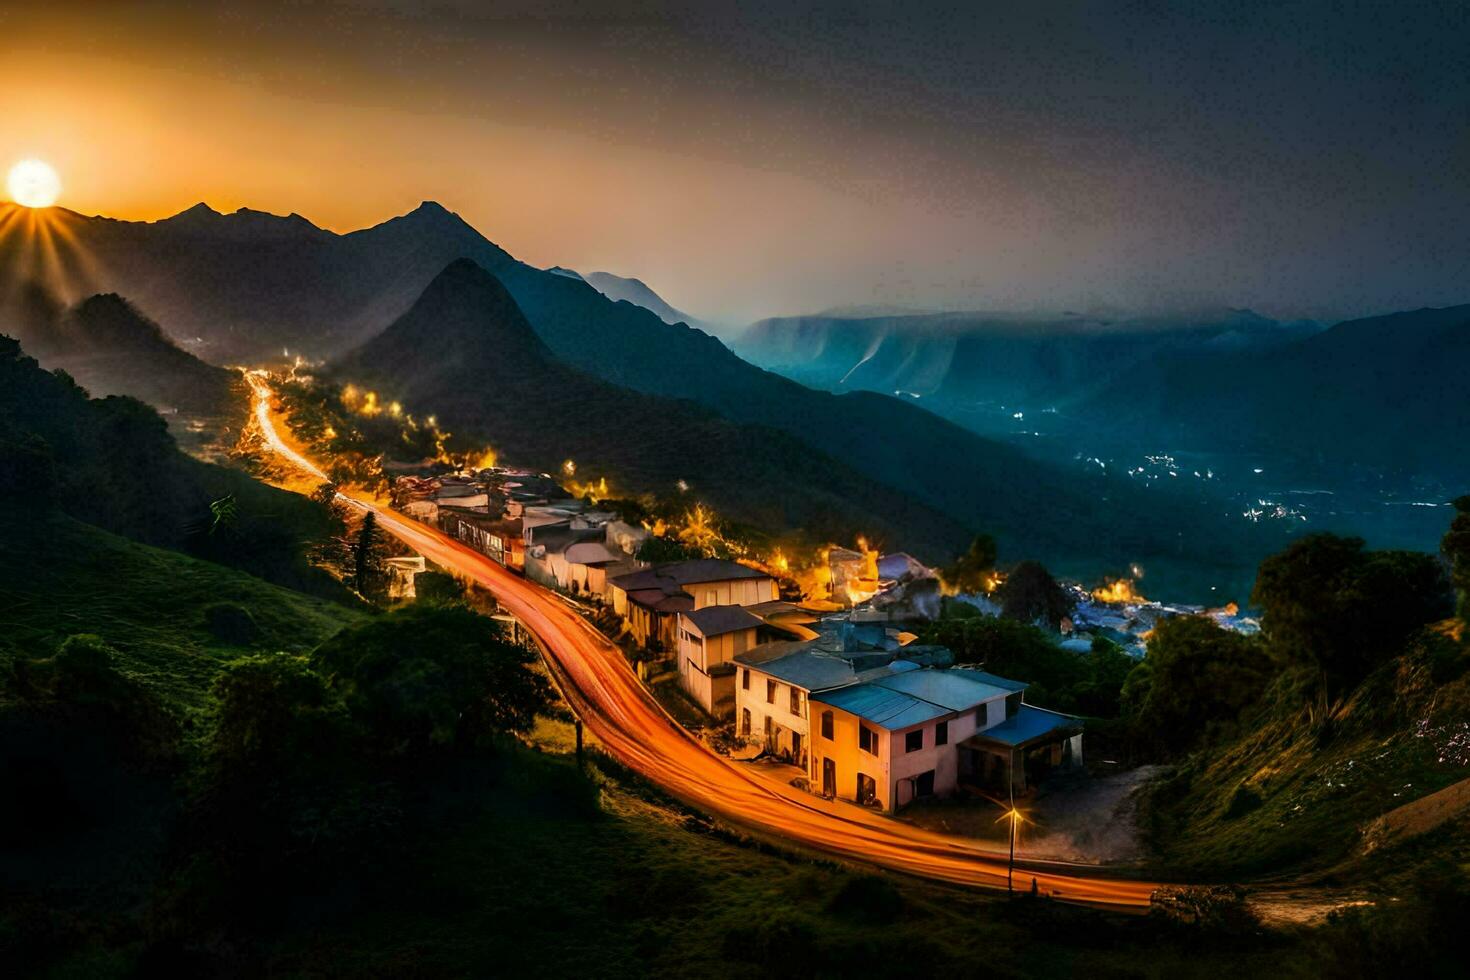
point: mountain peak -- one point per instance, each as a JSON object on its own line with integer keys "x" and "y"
{"x": 198, "y": 213}
{"x": 464, "y": 314}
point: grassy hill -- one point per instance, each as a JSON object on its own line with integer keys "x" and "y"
{"x": 60, "y": 577}
{"x": 1298, "y": 787}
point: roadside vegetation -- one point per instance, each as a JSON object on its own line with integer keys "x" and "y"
{"x": 211, "y": 773}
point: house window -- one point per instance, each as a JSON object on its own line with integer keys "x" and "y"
{"x": 745, "y": 678}
{"x": 827, "y": 725}
{"x": 867, "y": 739}
{"x": 796, "y": 701}
{"x": 770, "y": 692}
{"x": 941, "y": 733}
{"x": 914, "y": 740}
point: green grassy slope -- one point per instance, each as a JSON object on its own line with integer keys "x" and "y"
{"x": 1296, "y": 789}
{"x": 59, "y": 577}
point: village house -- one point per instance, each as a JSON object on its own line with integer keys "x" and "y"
{"x": 497, "y": 537}
{"x": 774, "y": 685}
{"x": 710, "y": 639}
{"x": 651, "y": 600}
{"x": 921, "y": 733}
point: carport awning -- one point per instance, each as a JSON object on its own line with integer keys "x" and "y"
{"x": 1026, "y": 727}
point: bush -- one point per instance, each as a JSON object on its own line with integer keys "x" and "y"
{"x": 231, "y": 624}
{"x": 429, "y": 678}
{"x": 867, "y": 899}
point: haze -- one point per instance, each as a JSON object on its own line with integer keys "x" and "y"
{"x": 1297, "y": 159}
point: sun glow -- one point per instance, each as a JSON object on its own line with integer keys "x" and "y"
{"x": 33, "y": 184}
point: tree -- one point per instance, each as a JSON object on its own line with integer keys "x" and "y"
{"x": 1328, "y": 604}
{"x": 1456, "y": 548}
{"x": 80, "y": 685}
{"x": 437, "y": 588}
{"x": 658, "y": 550}
{"x": 1196, "y": 677}
{"x": 1089, "y": 683}
{"x": 433, "y": 678}
{"x": 271, "y": 718}
{"x": 367, "y": 558}
{"x": 1029, "y": 594}
{"x": 971, "y": 572}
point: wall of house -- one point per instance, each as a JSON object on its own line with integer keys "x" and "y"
{"x": 943, "y": 759}
{"x": 715, "y": 693}
{"x": 850, "y": 760}
{"x": 786, "y": 721}
{"x": 540, "y": 570}
{"x": 733, "y": 592}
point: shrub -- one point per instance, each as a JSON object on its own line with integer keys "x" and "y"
{"x": 231, "y": 624}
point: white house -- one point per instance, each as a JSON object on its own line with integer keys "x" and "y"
{"x": 774, "y": 686}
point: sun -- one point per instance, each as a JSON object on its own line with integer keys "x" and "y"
{"x": 34, "y": 184}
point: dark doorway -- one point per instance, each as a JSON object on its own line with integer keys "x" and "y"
{"x": 796, "y": 747}
{"x": 744, "y": 721}
{"x": 829, "y": 778}
{"x": 867, "y": 789}
{"x": 924, "y": 784}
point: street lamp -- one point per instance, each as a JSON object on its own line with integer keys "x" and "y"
{"x": 1016, "y": 818}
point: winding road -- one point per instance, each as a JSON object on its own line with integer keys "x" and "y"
{"x": 634, "y": 729}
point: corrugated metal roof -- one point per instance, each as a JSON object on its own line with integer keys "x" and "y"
{"x": 691, "y": 572}
{"x": 1028, "y": 725}
{"x": 718, "y": 620}
{"x": 798, "y": 662}
{"x": 891, "y": 709}
{"x": 995, "y": 680}
{"x": 946, "y": 688}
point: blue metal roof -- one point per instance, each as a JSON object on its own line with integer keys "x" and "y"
{"x": 946, "y": 688}
{"x": 1027, "y": 725}
{"x": 873, "y": 702}
{"x": 798, "y": 662}
{"x": 994, "y": 680}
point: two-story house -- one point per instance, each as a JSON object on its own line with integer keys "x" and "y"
{"x": 913, "y": 734}
{"x": 651, "y": 600}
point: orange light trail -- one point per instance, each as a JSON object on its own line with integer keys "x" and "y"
{"x": 605, "y": 693}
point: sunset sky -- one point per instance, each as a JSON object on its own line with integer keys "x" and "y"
{"x": 787, "y": 158}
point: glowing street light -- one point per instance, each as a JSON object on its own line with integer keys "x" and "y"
{"x": 1016, "y": 817}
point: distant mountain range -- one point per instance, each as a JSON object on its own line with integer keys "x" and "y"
{"x": 110, "y": 348}
{"x": 1387, "y": 391}
{"x": 963, "y": 358}
{"x": 248, "y": 285}
{"x": 466, "y": 352}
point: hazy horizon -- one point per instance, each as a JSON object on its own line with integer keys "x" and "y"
{"x": 787, "y": 159}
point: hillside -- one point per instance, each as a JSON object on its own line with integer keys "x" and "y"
{"x": 1301, "y": 785}
{"x": 1368, "y": 383}
{"x": 111, "y": 348}
{"x": 639, "y": 293}
{"x": 111, "y": 462}
{"x": 60, "y": 577}
{"x": 466, "y": 353}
